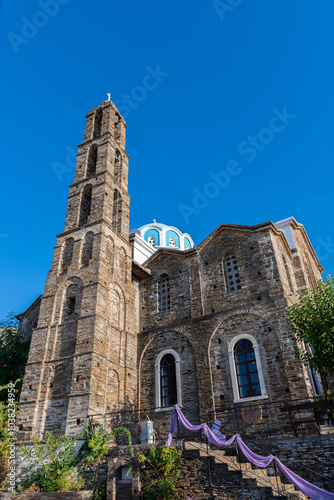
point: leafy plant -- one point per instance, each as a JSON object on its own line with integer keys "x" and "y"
{"x": 96, "y": 445}
{"x": 160, "y": 471}
{"x": 99, "y": 493}
{"x": 51, "y": 461}
{"x": 322, "y": 397}
{"x": 13, "y": 354}
{"x": 312, "y": 320}
{"x": 51, "y": 464}
{"x": 6, "y": 435}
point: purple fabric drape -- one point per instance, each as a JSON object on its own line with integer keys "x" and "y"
{"x": 305, "y": 487}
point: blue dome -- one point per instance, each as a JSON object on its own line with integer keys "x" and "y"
{"x": 159, "y": 235}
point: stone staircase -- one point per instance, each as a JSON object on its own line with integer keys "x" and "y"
{"x": 231, "y": 476}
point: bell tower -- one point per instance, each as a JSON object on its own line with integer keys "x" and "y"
{"x": 82, "y": 359}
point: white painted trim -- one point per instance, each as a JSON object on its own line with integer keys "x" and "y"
{"x": 256, "y": 348}
{"x": 141, "y": 250}
{"x": 157, "y": 379}
{"x": 285, "y": 226}
{"x": 162, "y": 235}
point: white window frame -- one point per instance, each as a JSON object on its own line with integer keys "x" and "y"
{"x": 231, "y": 358}
{"x": 158, "y": 380}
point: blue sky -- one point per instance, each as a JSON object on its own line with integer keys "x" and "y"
{"x": 223, "y": 71}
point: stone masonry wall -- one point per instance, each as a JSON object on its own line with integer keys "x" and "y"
{"x": 73, "y": 495}
{"x": 206, "y": 477}
{"x": 205, "y": 317}
{"x": 83, "y": 353}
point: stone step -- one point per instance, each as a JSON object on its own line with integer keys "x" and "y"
{"x": 227, "y": 469}
{"x": 326, "y": 429}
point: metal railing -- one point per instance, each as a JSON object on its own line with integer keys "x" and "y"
{"x": 263, "y": 420}
{"x": 298, "y": 417}
{"x": 131, "y": 419}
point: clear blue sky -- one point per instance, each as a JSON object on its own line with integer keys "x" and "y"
{"x": 224, "y": 73}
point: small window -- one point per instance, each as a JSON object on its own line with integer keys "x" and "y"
{"x": 151, "y": 241}
{"x": 71, "y": 305}
{"x": 246, "y": 369}
{"x": 117, "y": 127}
{"x": 163, "y": 293}
{"x": 117, "y": 211}
{"x": 118, "y": 166}
{"x": 87, "y": 249}
{"x": 172, "y": 242}
{"x": 92, "y": 160}
{"x": 97, "y": 124}
{"x": 232, "y": 274}
{"x": 67, "y": 254}
{"x": 85, "y": 207}
{"x": 168, "y": 385}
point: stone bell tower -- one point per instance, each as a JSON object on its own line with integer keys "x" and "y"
{"x": 82, "y": 359}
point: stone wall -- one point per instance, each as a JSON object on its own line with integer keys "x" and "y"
{"x": 204, "y": 317}
{"x": 83, "y": 353}
{"x": 212, "y": 473}
{"x": 73, "y": 495}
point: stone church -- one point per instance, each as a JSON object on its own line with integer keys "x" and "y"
{"x": 145, "y": 319}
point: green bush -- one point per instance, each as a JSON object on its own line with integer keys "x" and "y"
{"x": 51, "y": 464}
{"x": 160, "y": 471}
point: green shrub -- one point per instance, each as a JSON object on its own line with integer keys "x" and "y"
{"x": 160, "y": 471}
{"x": 51, "y": 464}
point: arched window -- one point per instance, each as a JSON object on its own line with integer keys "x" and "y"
{"x": 246, "y": 369}
{"x": 86, "y": 200}
{"x": 118, "y": 167}
{"x": 87, "y": 249}
{"x": 172, "y": 242}
{"x": 72, "y": 303}
{"x": 117, "y": 127}
{"x": 288, "y": 275}
{"x": 67, "y": 254}
{"x": 163, "y": 293}
{"x": 232, "y": 273}
{"x": 151, "y": 241}
{"x": 117, "y": 211}
{"x": 92, "y": 160}
{"x": 97, "y": 123}
{"x": 168, "y": 379}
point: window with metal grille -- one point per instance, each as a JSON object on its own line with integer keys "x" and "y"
{"x": 168, "y": 386}
{"x": 246, "y": 369}
{"x": 163, "y": 293}
{"x": 232, "y": 274}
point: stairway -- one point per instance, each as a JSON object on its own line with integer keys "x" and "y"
{"x": 230, "y": 476}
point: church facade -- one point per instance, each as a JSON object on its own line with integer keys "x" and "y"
{"x": 146, "y": 319}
